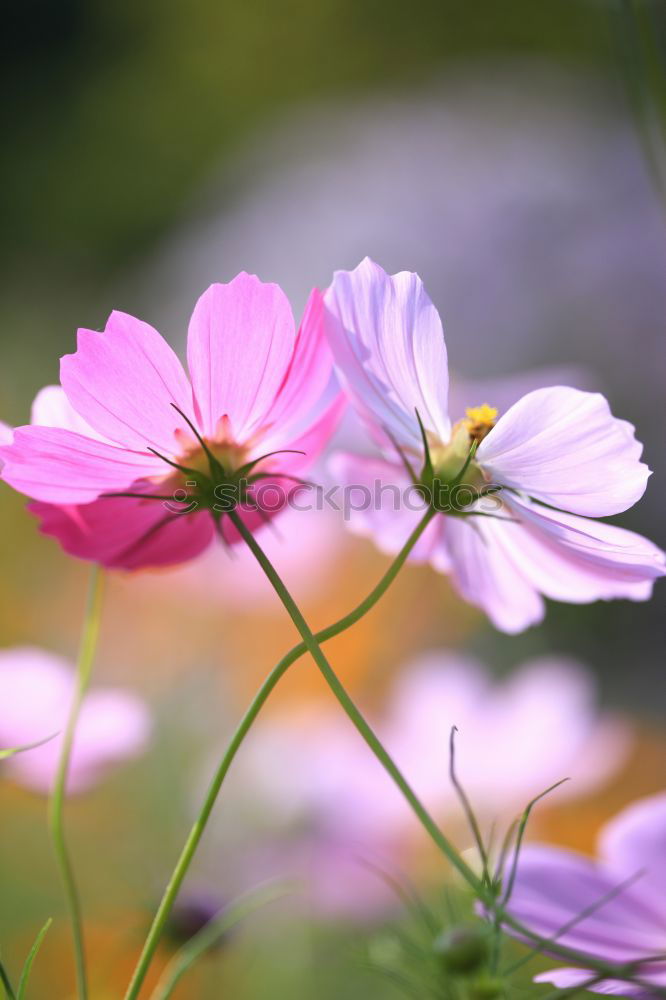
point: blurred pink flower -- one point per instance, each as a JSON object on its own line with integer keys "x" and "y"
{"x": 559, "y": 456}
{"x": 554, "y": 886}
{"x": 127, "y": 411}
{"x": 36, "y": 690}
{"x": 515, "y": 739}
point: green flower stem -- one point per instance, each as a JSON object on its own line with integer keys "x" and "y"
{"x": 210, "y": 935}
{"x": 84, "y": 665}
{"x": 244, "y": 727}
{"x": 351, "y": 710}
{"x": 610, "y": 970}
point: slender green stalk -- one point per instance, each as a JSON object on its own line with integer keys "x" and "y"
{"x": 242, "y": 730}
{"x": 610, "y": 970}
{"x": 351, "y": 710}
{"x": 56, "y": 807}
{"x": 210, "y": 934}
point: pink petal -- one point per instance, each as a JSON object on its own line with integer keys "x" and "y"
{"x": 240, "y": 345}
{"x": 307, "y": 386}
{"x": 123, "y": 382}
{"x": 375, "y": 497}
{"x": 59, "y": 466}
{"x": 389, "y": 349}
{"x": 635, "y": 840}
{"x": 554, "y": 886}
{"x": 485, "y": 573}
{"x": 311, "y": 442}
{"x": 564, "y": 447}
{"x": 124, "y": 533}
{"x": 577, "y": 559}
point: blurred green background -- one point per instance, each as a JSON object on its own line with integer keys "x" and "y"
{"x": 126, "y": 125}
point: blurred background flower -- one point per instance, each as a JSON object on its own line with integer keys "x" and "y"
{"x": 515, "y": 739}
{"x": 154, "y": 149}
{"x": 36, "y": 690}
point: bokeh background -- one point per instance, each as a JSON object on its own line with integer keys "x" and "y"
{"x": 152, "y": 148}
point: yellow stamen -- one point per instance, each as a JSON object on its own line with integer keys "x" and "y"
{"x": 479, "y": 420}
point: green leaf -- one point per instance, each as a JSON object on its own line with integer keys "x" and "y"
{"x": 211, "y": 933}
{"x": 7, "y": 990}
{"x": 25, "y": 974}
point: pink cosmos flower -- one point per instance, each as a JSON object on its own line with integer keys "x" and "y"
{"x": 36, "y": 690}
{"x": 625, "y": 888}
{"x": 515, "y": 739}
{"x": 131, "y": 464}
{"x": 529, "y": 484}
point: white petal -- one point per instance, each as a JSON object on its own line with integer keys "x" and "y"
{"x": 564, "y": 447}
{"x": 388, "y": 344}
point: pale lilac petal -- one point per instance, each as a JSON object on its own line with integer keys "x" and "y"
{"x": 113, "y": 726}
{"x": 36, "y": 690}
{"x": 26, "y": 672}
{"x": 379, "y": 502}
{"x": 567, "y": 978}
{"x": 59, "y": 466}
{"x": 539, "y": 726}
{"x": 240, "y": 345}
{"x": 6, "y": 435}
{"x": 554, "y": 886}
{"x": 433, "y": 693}
{"x": 577, "y": 559}
{"x": 635, "y": 840}
{"x": 514, "y": 739}
{"x": 125, "y": 533}
{"x": 564, "y": 447}
{"x": 485, "y": 574}
{"x": 389, "y": 349}
{"x": 124, "y": 381}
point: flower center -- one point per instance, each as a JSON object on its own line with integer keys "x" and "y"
{"x": 448, "y": 459}
{"x": 455, "y": 481}
{"x": 479, "y": 421}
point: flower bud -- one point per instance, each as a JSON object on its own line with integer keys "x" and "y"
{"x": 463, "y": 950}
{"x": 486, "y": 988}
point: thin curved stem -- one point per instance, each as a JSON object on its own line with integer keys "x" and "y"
{"x": 84, "y": 665}
{"x": 625, "y": 972}
{"x": 210, "y": 934}
{"x": 196, "y": 832}
{"x": 350, "y": 708}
